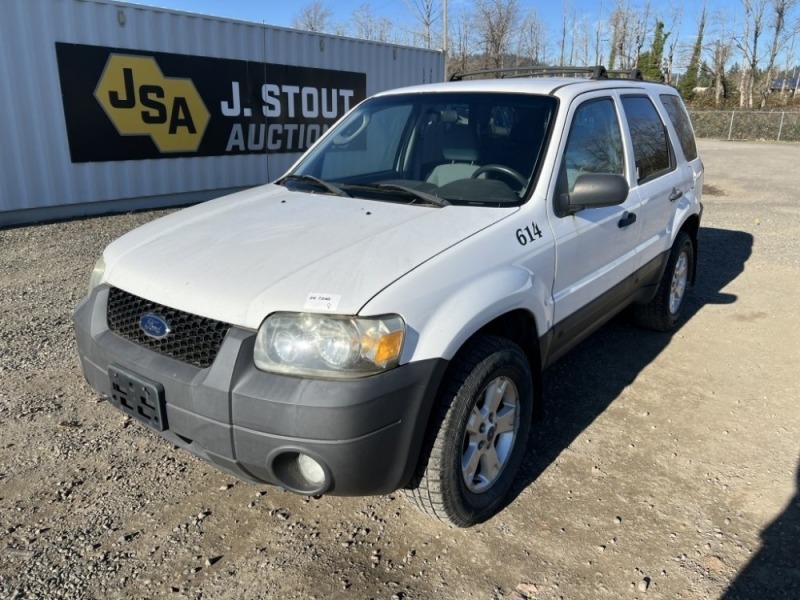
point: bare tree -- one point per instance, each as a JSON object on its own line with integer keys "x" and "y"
{"x": 674, "y": 26}
{"x": 748, "y": 44}
{"x": 564, "y": 26}
{"x": 789, "y": 61}
{"x": 598, "y": 28}
{"x": 722, "y": 52}
{"x": 630, "y": 29}
{"x": 314, "y": 16}
{"x": 620, "y": 22}
{"x": 780, "y": 8}
{"x": 462, "y": 44}
{"x": 532, "y": 45}
{"x": 427, "y": 13}
{"x": 639, "y": 33}
{"x": 574, "y": 43}
{"x": 495, "y": 22}
{"x": 580, "y": 41}
{"x": 368, "y": 26}
{"x": 719, "y": 51}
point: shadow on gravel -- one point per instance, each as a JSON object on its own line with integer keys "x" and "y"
{"x": 579, "y": 387}
{"x": 774, "y": 572}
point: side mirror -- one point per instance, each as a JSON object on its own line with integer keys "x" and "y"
{"x": 593, "y": 190}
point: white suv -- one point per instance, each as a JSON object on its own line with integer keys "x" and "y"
{"x": 380, "y": 316}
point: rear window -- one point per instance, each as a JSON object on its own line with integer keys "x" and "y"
{"x": 680, "y": 120}
{"x": 649, "y": 136}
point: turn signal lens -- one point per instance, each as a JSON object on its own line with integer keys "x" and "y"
{"x": 381, "y": 349}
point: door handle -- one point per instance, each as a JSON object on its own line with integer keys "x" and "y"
{"x": 676, "y": 193}
{"x": 628, "y": 218}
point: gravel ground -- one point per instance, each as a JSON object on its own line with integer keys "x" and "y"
{"x": 666, "y": 465}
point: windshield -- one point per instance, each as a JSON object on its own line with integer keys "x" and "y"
{"x": 434, "y": 148}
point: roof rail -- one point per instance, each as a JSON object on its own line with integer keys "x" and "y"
{"x": 634, "y": 73}
{"x": 595, "y": 72}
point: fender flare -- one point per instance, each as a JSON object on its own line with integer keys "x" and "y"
{"x": 457, "y": 317}
{"x": 687, "y": 218}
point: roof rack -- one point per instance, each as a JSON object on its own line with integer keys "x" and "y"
{"x": 595, "y": 72}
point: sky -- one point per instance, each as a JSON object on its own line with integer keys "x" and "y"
{"x": 281, "y": 12}
{"x": 277, "y": 12}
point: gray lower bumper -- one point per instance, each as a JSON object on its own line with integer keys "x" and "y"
{"x": 366, "y": 433}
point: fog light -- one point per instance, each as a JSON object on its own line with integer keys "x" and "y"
{"x": 310, "y": 469}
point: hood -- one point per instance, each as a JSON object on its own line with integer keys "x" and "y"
{"x": 241, "y": 257}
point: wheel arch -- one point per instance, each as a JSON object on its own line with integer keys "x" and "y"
{"x": 519, "y": 326}
{"x": 691, "y": 227}
{"x": 440, "y": 325}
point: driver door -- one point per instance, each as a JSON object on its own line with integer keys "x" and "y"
{"x": 595, "y": 247}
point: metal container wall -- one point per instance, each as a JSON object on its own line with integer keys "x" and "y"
{"x": 38, "y": 178}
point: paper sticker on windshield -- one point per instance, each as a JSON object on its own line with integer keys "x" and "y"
{"x": 319, "y": 301}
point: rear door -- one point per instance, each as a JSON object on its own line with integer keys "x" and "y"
{"x": 658, "y": 181}
{"x": 683, "y": 132}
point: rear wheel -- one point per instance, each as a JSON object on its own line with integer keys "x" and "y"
{"x": 477, "y": 442}
{"x": 664, "y": 310}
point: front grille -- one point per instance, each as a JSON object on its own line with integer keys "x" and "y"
{"x": 192, "y": 339}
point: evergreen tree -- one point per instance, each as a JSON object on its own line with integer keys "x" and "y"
{"x": 650, "y": 61}
{"x": 689, "y": 81}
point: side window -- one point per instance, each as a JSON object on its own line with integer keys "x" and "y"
{"x": 594, "y": 144}
{"x": 651, "y": 147}
{"x": 680, "y": 120}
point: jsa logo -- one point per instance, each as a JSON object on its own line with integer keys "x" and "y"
{"x": 139, "y": 100}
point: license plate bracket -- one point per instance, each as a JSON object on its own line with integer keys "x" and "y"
{"x": 138, "y": 397}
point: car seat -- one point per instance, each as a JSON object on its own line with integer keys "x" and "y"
{"x": 460, "y": 148}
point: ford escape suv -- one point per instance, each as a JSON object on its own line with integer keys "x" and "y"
{"x": 379, "y": 317}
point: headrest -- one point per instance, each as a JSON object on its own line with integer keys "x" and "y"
{"x": 460, "y": 143}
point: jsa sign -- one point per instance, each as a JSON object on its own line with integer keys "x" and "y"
{"x": 129, "y": 105}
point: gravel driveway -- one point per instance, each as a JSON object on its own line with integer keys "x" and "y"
{"x": 666, "y": 465}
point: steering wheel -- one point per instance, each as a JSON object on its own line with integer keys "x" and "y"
{"x": 504, "y": 170}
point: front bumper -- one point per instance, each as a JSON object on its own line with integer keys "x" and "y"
{"x": 366, "y": 433}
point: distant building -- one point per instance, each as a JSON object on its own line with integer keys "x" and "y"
{"x": 788, "y": 83}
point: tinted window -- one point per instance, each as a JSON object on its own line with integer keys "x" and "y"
{"x": 680, "y": 120}
{"x": 595, "y": 143}
{"x": 651, "y": 147}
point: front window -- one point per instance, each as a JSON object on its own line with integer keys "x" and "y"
{"x": 595, "y": 142}
{"x": 459, "y": 148}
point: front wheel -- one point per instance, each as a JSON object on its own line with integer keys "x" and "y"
{"x": 478, "y": 439}
{"x": 664, "y": 310}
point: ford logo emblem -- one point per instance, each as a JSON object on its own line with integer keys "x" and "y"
{"x": 154, "y": 326}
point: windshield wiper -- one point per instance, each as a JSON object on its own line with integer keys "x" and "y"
{"x": 418, "y": 194}
{"x": 326, "y": 185}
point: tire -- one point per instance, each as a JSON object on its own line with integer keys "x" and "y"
{"x": 478, "y": 436}
{"x": 664, "y": 310}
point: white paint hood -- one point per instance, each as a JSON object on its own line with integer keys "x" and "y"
{"x": 241, "y": 257}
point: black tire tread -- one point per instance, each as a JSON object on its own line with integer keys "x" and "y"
{"x": 655, "y": 315}
{"x": 425, "y": 492}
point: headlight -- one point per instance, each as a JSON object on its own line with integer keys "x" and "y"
{"x": 328, "y": 345}
{"x": 96, "y": 277}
